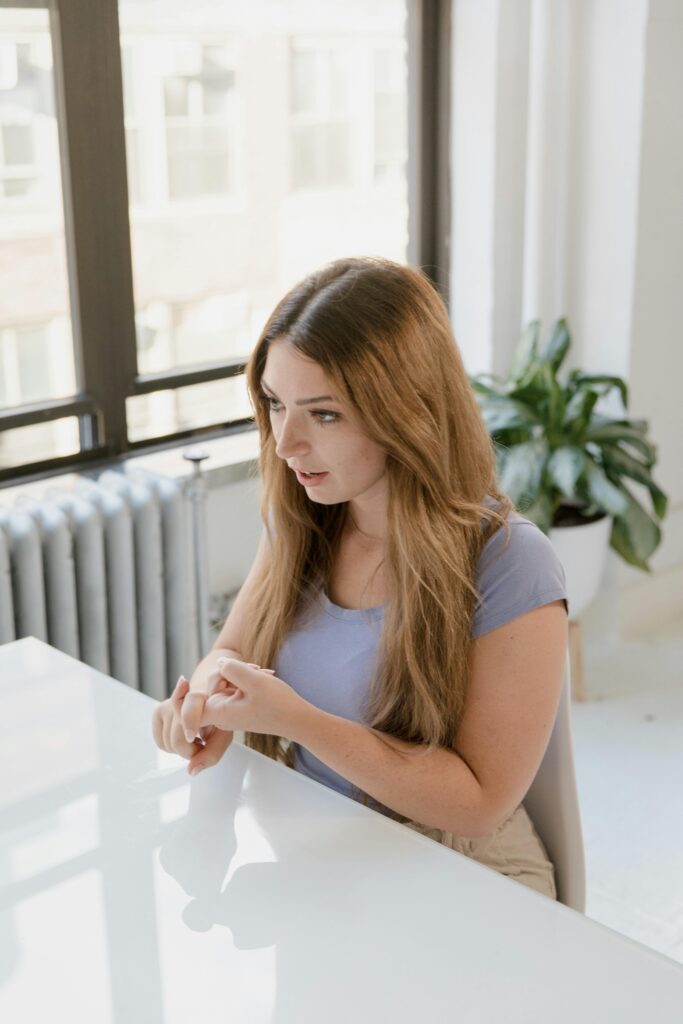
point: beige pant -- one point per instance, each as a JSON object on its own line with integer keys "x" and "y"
{"x": 515, "y": 849}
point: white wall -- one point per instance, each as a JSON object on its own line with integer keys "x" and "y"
{"x": 592, "y": 214}
{"x": 233, "y": 529}
{"x": 605, "y": 133}
{"x": 475, "y": 25}
{"x": 656, "y": 354}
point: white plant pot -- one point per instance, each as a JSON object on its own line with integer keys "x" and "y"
{"x": 583, "y": 553}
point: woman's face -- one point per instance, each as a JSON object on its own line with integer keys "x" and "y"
{"x": 320, "y": 436}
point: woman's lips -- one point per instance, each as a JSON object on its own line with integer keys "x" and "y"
{"x": 310, "y": 481}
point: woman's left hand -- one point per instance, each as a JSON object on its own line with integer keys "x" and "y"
{"x": 262, "y": 703}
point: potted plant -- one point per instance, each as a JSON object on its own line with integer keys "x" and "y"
{"x": 566, "y": 466}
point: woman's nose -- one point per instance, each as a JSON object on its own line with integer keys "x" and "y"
{"x": 291, "y": 441}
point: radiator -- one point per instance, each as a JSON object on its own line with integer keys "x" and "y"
{"x": 105, "y": 572}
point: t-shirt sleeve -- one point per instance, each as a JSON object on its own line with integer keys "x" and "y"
{"x": 515, "y": 579}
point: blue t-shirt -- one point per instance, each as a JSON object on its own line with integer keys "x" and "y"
{"x": 329, "y": 655}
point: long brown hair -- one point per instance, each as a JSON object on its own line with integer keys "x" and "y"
{"x": 381, "y": 333}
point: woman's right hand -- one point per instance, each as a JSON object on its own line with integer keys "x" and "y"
{"x": 175, "y": 725}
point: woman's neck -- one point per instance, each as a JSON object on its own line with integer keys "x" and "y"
{"x": 353, "y": 530}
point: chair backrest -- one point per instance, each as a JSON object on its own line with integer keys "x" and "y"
{"x": 552, "y": 803}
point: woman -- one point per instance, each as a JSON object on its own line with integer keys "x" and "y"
{"x": 416, "y": 624}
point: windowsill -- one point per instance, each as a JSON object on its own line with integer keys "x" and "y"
{"x": 231, "y": 458}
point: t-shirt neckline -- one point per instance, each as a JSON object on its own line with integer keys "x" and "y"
{"x": 350, "y": 614}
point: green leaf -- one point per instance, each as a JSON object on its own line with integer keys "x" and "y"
{"x": 502, "y": 413}
{"x": 635, "y": 535}
{"x": 556, "y": 406}
{"x": 540, "y": 512}
{"x": 558, "y": 345}
{"x": 522, "y": 470}
{"x": 525, "y": 353}
{"x": 509, "y": 438}
{"x": 640, "y": 426}
{"x": 626, "y": 433}
{"x": 480, "y": 388}
{"x": 600, "y": 383}
{"x": 564, "y": 467}
{"x": 541, "y": 392}
{"x": 621, "y": 542}
{"x": 531, "y": 389}
{"x": 620, "y": 463}
{"x": 603, "y": 492}
{"x": 578, "y": 412}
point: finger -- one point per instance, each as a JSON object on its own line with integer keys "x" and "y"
{"x": 220, "y": 710}
{"x": 225, "y": 665}
{"x": 181, "y": 689}
{"x": 158, "y": 726}
{"x": 191, "y": 713}
{"x": 168, "y": 725}
{"x": 180, "y": 745}
{"x": 216, "y": 745}
{"x": 205, "y": 733}
{"x": 218, "y": 684}
{"x": 237, "y": 672}
{"x": 215, "y": 682}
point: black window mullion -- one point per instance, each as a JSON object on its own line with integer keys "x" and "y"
{"x": 429, "y": 42}
{"x": 183, "y": 376}
{"x": 87, "y": 62}
{"x": 45, "y": 412}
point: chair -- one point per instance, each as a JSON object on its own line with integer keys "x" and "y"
{"x": 552, "y": 804}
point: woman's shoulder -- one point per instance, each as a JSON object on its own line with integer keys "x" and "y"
{"x": 522, "y": 537}
{"x": 518, "y": 570}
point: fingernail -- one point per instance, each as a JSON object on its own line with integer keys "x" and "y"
{"x": 189, "y": 736}
{"x": 197, "y": 769}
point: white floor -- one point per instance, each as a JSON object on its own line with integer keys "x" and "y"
{"x": 628, "y": 748}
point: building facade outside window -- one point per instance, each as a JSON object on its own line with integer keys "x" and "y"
{"x": 239, "y": 183}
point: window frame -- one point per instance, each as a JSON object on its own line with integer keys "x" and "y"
{"x": 88, "y": 75}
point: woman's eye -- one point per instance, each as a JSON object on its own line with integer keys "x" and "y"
{"x": 321, "y": 412}
{"x": 317, "y": 413}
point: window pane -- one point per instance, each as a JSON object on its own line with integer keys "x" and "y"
{"x": 18, "y": 144}
{"x": 169, "y": 334}
{"x": 40, "y": 441}
{"x": 390, "y": 127}
{"x": 36, "y": 347}
{"x": 198, "y": 405}
{"x": 242, "y": 182}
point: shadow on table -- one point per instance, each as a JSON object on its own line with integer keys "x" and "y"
{"x": 315, "y": 895}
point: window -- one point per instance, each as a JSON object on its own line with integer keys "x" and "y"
{"x": 322, "y": 115}
{"x": 36, "y": 347}
{"x": 35, "y": 362}
{"x": 390, "y": 126}
{"x": 199, "y": 100}
{"x": 198, "y": 189}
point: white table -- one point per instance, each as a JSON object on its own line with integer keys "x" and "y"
{"x": 130, "y": 893}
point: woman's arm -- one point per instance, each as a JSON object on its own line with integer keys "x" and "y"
{"x": 227, "y": 645}
{"x": 513, "y": 695}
